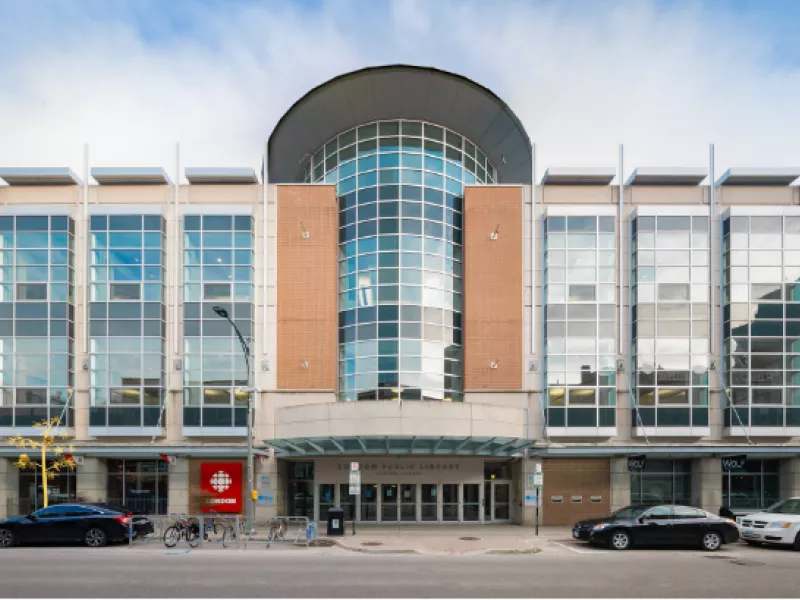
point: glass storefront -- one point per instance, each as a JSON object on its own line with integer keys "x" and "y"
{"x": 139, "y": 485}
{"x": 300, "y": 499}
{"x": 60, "y": 489}
{"x": 756, "y": 485}
{"x": 662, "y": 482}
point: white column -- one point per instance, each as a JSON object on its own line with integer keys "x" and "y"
{"x": 620, "y": 483}
{"x": 707, "y": 484}
{"x": 91, "y": 480}
{"x": 178, "y": 491}
{"x": 9, "y": 488}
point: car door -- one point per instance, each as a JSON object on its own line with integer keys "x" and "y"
{"x": 655, "y": 526}
{"x": 688, "y": 524}
{"x": 46, "y": 526}
{"x": 76, "y": 520}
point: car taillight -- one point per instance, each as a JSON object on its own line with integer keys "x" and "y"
{"x": 126, "y": 520}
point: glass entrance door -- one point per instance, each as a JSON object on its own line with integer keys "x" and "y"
{"x": 408, "y": 502}
{"x": 472, "y": 502}
{"x": 487, "y": 500}
{"x": 449, "y": 502}
{"x": 369, "y": 502}
{"x": 327, "y": 500}
{"x": 501, "y": 501}
{"x": 389, "y": 502}
{"x": 430, "y": 505}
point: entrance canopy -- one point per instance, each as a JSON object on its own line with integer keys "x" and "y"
{"x": 441, "y": 445}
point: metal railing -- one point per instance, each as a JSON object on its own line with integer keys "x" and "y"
{"x": 218, "y": 531}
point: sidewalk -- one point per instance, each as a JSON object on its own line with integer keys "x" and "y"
{"x": 443, "y": 539}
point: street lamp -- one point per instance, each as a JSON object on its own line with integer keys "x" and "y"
{"x": 246, "y": 350}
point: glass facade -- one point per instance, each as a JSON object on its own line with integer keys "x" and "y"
{"x": 761, "y": 313}
{"x": 580, "y": 326}
{"x": 37, "y": 316}
{"x": 139, "y": 485}
{"x": 662, "y": 482}
{"x": 400, "y": 186}
{"x": 756, "y": 485}
{"x": 126, "y": 320}
{"x": 217, "y": 271}
{"x": 670, "y": 320}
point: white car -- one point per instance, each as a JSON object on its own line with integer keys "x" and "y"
{"x": 778, "y": 524}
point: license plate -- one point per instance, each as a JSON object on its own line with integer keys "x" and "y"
{"x": 746, "y": 532}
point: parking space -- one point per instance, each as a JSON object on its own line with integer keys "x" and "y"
{"x": 736, "y": 551}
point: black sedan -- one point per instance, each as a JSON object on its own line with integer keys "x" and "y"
{"x": 665, "y": 525}
{"x": 93, "y": 525}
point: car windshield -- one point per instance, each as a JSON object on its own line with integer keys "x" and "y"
{"x": 786, "y": 507}
{"x": 629, "y": 512}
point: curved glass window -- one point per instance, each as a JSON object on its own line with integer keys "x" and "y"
{"x": 400, "y": 186}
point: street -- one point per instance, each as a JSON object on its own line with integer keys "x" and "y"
{"x": 560, "y": 569}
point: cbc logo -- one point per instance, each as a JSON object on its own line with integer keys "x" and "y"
{"x": 221, "y": 481}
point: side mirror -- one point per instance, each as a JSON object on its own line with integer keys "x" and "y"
{"x": 32, "y": 517}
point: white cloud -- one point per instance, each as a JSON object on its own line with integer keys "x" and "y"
{"x": 583, "y": 77}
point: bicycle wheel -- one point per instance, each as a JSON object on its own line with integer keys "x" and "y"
{"x": 193, "y": 535}
{"x": 171, "y": 536}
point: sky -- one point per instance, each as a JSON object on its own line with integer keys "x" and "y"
{"x": 665, "y": 78}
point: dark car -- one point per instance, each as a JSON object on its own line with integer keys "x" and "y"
{"x": 93, "y": 525}
{"x": 665, "y": 525}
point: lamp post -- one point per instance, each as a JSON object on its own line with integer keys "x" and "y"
{"x": 246, "y": 350}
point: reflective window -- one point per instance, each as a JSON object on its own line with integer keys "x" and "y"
{"x": 581, "y": 319}
{"x": 126, "y": 321}
{"x": 138, "y": 485}
{"x": 400, "y": 187}
{"x": 218, "y": 272}
{"x": 761, "y": 314}
{"x": 662, "y": 482}
{"x": 754, "y": 486}
{"x": 671, "y": 329}
{"x": 37, "y": 316}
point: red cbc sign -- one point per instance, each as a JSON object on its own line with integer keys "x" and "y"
{"x": 222, "y": 484}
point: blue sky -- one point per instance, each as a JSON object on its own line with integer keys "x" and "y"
{"x": 663, "y": 77}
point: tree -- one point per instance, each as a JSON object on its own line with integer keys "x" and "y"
{"x": 48, "y": 442}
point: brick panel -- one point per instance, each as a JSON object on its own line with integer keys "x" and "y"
{"x": 584, "y": 477}
{"x": 493, "y": 288}
{"x": 307, "y": 287}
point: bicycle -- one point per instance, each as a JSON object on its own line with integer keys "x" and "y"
{"x": 277, "y": 531}
{"x": 182, "y": 528}
{"x": 210, "y": 525}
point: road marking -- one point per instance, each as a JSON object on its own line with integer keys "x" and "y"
{"x": 576, "y": 551}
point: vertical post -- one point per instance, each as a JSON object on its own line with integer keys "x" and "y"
{"x": 86, "y": 253}
{"x": 44, "y": 468}
{"x": 621, "y": 272}
{"x": 537, "y": 511}
{"x": 250, "y": 426}
{"x": 353, "y": 512}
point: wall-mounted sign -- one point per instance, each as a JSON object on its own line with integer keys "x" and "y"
{"x": 734, "y": 463}
{"x": 531, "y": 499}
{"x": 636, "y": 463}
{"x": 222, "y": 485}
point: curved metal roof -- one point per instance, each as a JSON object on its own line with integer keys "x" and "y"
{"x": 400, "y": 92}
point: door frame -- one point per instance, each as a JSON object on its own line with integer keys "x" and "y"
{"x": 490, "y": 502}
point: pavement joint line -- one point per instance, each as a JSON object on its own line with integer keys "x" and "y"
{"x": 575, "y": 550}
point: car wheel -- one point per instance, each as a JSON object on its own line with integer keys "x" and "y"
{"x": 6, "y": 538}
{"x": 796, "y": 545}
{"x": 95, "y": 538}
{"x": 711, "y": 541}
{"x": 620, "y": 540}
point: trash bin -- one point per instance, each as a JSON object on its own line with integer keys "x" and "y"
{"x": 335, "y": 521}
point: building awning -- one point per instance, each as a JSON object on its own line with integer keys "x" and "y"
{"x": 437, "y": 445}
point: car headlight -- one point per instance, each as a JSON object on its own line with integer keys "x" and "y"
{"x": 600, "y": 526}
{"x": 780, "y": 525}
